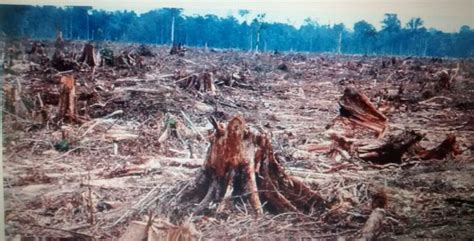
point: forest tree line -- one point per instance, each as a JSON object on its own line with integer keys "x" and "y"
{"x": 167, "y": 25}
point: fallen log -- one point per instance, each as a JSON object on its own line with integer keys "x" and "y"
{"x": 393, "y": 150}
{"x": 357, "y": 108}
{"x": 240, "y": 165}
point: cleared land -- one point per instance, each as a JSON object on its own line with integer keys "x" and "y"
{"x": 140, "y": 131}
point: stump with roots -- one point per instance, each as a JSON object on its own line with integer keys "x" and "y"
{"x": 241, "y": 167}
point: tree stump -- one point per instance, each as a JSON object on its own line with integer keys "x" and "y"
{"x": 357, "y": 107}
{"x": 67, "y": 99}
{"x": 88, "y": 55}
{"x": 177, "y": 49}
{"x": 240, "y": 166}
{"x": 203, "y": 82}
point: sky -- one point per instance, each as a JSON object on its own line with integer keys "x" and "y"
{"x": 445, "y": 15}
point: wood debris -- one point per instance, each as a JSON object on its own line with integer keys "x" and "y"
{"x": 89, "y": 157}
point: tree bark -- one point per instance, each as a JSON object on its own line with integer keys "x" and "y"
{"x": 357, "y": 107}
{"x": 241, "y": 160}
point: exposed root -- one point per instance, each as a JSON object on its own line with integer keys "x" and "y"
{"x": 243, "y": 159}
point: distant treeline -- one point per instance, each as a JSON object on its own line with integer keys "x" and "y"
{"x": 163, "y": 26}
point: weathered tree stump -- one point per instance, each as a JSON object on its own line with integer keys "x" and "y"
{"x": 240, "y": 165}
{"x": 88, "y": 55}
{"x": 67, "y": 99}
{"x": 357, "y": 107}
{"x": 202, "y": 82}
{"x": 59, "y": 43}
{"x": 177, "y": 49}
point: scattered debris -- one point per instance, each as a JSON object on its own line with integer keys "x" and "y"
{"x": 177, "y": 49}
{"x": 84, "y": 157}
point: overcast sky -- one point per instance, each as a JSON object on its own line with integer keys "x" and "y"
{"x": 446, "y": 15}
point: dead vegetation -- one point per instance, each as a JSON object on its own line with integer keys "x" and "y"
{"x": 144, "y": 142}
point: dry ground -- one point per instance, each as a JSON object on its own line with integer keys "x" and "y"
{"x": 55, "y": 194}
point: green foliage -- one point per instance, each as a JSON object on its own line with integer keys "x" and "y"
{"x": 154, "y": 27}
{"x": 62, "y": 146}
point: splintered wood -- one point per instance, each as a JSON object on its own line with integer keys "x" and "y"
{"x": 67, "y": 99}
{"x": 449, "y": 147}
{"x": 203, "y": 82}
{"x": 264, "y": 167}
{"x": 241, "y": 160}
{"x": 357, "y": 107}
{"x": 393, "y": 150}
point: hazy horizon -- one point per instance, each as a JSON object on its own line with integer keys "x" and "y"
{"x": 447, "y": 16}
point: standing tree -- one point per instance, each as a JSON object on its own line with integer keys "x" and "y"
{"x": 365, "y": 34}
{"x": 244, "y": 13}
{"x": 390, "y": 30}
{"x": 338, "y": 29}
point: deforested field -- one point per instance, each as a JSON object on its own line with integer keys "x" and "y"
{"x": 107, "y": 141}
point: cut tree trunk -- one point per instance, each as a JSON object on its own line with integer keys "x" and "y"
{"x": 67, "y": 99}
{"x": 357, "y": 107}
{"x": 88, "y": 55}
{"x": 393, "y": 150}
{"x": 241, "y": 166}
{"x": 13, "y": 100}
{"x": 202, "y": 82}
{"x": 177, "y": 49}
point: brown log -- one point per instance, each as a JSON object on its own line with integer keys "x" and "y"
{"x": 393, "y": 150}
{"x": 357, "y": 107}
{"x": 243, "y": 158}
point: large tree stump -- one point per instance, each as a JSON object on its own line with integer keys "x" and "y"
{"x": 356, "y": 107}
{"x": 88, "y": 55}
{"x": 240, "y": 165}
